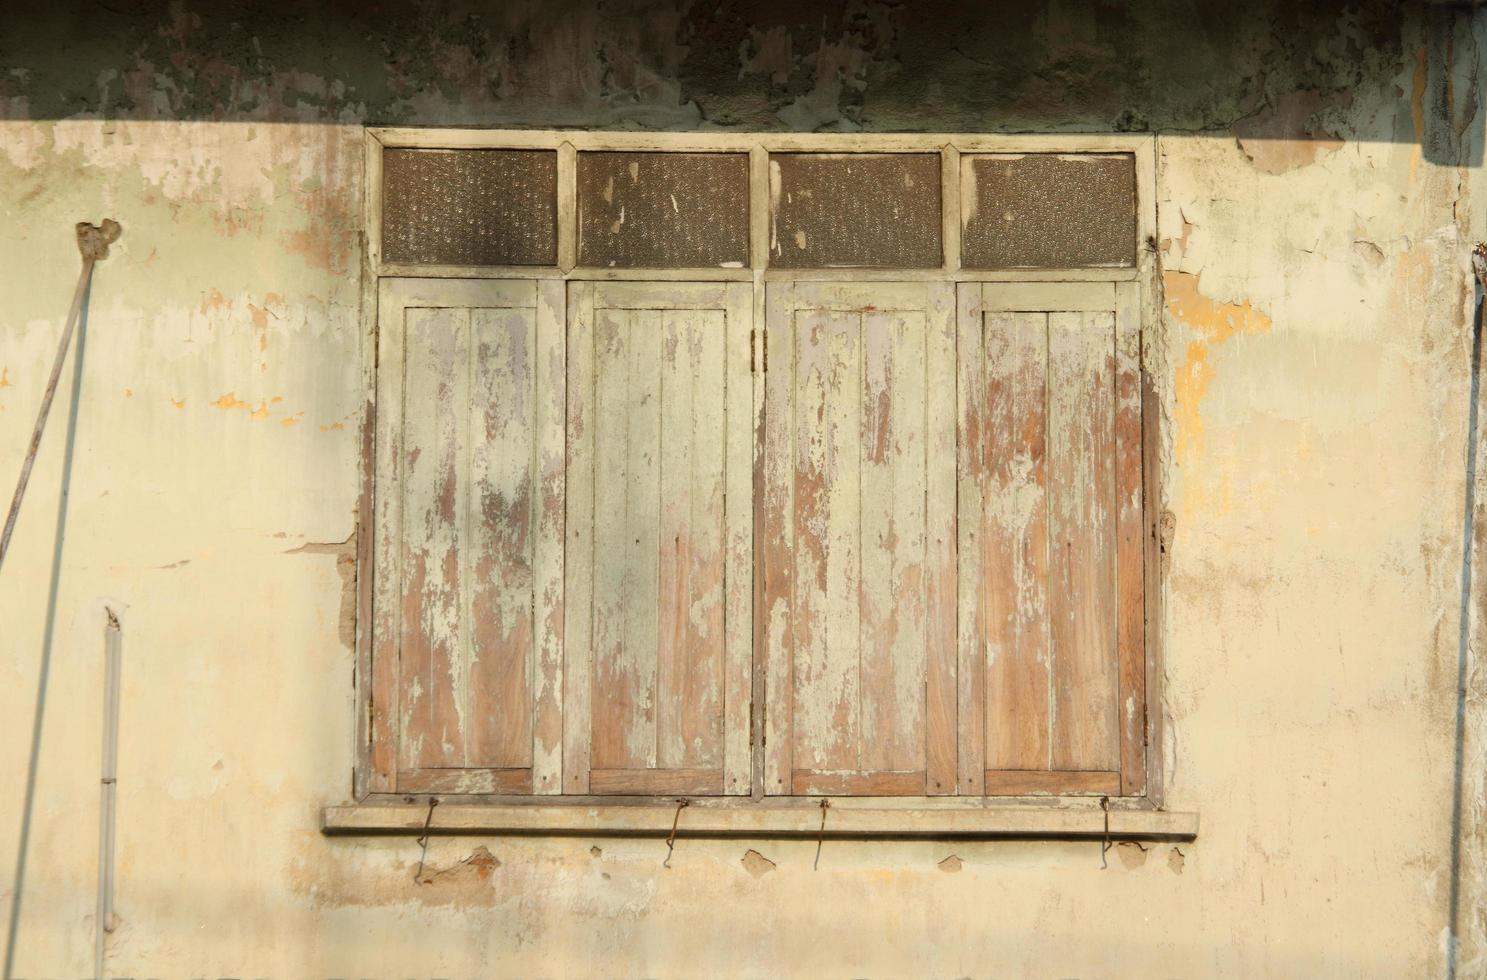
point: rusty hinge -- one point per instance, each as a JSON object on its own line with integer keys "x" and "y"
{"x": 764, "y": 725}
{"x": 751, "y": 724}
{"x": 1145, "y": 728}
{"x": 371, "y": 715}
{"x": 766, "y": 352}
{"x": 753, "y": 368}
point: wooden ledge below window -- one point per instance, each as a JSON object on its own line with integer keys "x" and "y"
{"x": 845, "y": 819}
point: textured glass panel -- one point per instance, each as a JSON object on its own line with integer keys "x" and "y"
{"x": 663, "y": 210}
{"x": 1048, "y": 211}
{"x": 470, "y": 207}
{"x": 875, "y": 210}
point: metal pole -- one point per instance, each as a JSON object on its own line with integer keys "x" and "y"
{"x": 93, "y": 243}
{"x": 113, "y": 642}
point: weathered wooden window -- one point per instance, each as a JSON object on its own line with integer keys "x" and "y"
{"x": 859, "y": 517}
{"x": 760, "y": 484}
{"x": 659, "y": 539}
{"x": 1052, "y": 688}
{"x": 470, "y": 554}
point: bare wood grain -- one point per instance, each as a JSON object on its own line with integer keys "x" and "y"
{"x": 1014, "y": 542}
{"x": 435, "y": 489}
{"x": 499, "y": 542}
{"x": 550, "y": 469}
{"x": 656, "y": 782}
{"x": 972, "y": 434}
{"x": 476, "y": 780}
{"x": 1011, "y": 782}
{"x": 1081, "y": 454}
{"x": 738, "y": 513}
{"x": 941, "y": 694}
{"x": 811, "y": 782}
{"x": 578, "y": 569}
{"x": 778, "y": 531}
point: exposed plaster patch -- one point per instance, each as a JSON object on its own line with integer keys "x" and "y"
{"x": 756, "y": 864}
{"x": 768, "y": 53}
{"x": 1286, "y": 134}
{"x": 345, "y": 552}
{"x": 951, "y": 864}
{"x": 1132, "y": 854}
{"x": 478, "y": 866}
{"x": 1368, "y": 252}
{"x": 1176, "y": 861}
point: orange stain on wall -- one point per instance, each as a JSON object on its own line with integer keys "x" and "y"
{"x": 1212, "y": 323}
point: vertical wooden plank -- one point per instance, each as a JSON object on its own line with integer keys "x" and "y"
{"x": 828, "y": 534}
{"x": 373, "y": 210}
{"x": 627, "y": 537}
{"x": 578, "y": 570}
{"x": 890, "y": 516}
{"x": 1130, "y": 540}
{"x": 778, "y": 531}
{"x": 1014, "y": 542}
{"x": 549, "y": 503}
{"x": 1154, "y": 551}
{"x": 433, "y": 671}
{"x": 385, "y": 573}
{"x": 738, "y": 515}
{"x": 690, "y": 693}
{"x": 971, "y": 457}
{"x": 940, "y": 579}
{"x": 676, "y": 360}
{"x": 1081, "y": 462}
{"x": 500, "y": 537}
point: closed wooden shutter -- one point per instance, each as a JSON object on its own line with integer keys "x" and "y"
{"x": 659, "y": 638}
{"x": 859, "y": 539}
{"x": 1052, "y": 682}
{"x": 468, "y": 647}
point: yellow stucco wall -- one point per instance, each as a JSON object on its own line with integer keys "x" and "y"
{"x": 1313, "y": 360}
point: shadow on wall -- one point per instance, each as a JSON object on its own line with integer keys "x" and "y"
{"x": 1268, "y": 71}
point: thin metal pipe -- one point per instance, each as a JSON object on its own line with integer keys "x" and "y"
{"x": 92, "y": 244}
{"x": 46, "y": 406}
{"x": 113, "y": 643}
{"x": 1463, "y": 646}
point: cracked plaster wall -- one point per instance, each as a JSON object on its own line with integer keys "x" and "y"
{"x": 1318, "y": 176}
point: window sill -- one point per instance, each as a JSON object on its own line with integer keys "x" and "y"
{"x": 861, "y": 819}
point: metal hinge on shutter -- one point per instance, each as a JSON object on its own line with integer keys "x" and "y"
{"x": 1145, "y": 728}
{"x": 371, "y": 714}
{"x": 758, "y": 352}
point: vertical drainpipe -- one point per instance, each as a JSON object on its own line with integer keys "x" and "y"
{"x": 113, "y": 642}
